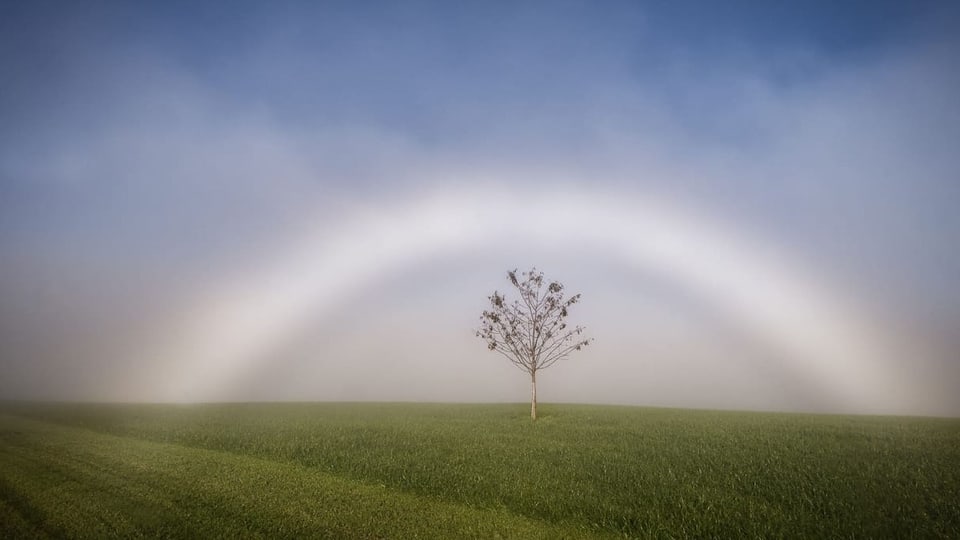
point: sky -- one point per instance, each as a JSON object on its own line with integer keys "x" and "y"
{"x": 312, "y": 201}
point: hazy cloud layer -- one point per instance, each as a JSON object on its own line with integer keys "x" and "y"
{"x": 152, "y": 157}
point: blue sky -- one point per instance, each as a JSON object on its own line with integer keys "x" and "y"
{"x": 150, "y": 150}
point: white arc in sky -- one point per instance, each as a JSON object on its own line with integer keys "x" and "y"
{"x": 229, "y": 332}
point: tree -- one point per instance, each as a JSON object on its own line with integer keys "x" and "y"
{"x": 531, "y": 332}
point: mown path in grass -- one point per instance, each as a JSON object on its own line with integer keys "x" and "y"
{"x": 60, "y": 481}
{"x": 624, "y": 471}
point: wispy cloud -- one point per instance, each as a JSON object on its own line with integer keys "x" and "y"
{"x": 153, "y": 157}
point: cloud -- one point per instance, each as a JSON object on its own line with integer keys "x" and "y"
{"x": 140, "y": 173}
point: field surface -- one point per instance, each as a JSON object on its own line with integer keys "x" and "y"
{"x": 485, "y": 471}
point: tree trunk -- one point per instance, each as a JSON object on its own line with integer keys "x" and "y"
{"x": 533, "y": 395}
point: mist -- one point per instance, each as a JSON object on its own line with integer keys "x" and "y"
{"x": 313, "y": 202}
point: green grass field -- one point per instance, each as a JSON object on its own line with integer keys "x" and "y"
{"x": 451, "y": 471}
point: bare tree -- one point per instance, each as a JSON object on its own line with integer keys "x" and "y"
{"x": 531, "y": 332}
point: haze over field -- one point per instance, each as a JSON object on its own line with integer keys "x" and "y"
{"x": 312, "y": 202}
